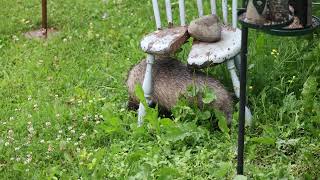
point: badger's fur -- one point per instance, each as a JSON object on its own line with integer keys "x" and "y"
{"x": 171, "y": 79}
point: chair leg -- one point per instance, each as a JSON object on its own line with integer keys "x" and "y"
{"x": 236, "y": 87}
{"x": 237, "y": 61}
{"x": 147, "y": 88}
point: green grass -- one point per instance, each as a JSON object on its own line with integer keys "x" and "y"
{"x": 63, "y": 102}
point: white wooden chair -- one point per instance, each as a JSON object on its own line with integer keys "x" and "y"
{"x": 202, "y": 54}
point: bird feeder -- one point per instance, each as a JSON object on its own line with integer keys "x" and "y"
{"x": 276, "y": 17}
{"x": 267, "y": 14}
{"x": 280, "y": 17}
{"x": 303, "y": 21}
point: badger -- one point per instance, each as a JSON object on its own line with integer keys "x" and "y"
{"x": 171, "y": 78}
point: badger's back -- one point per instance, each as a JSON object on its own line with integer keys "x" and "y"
{"x": 171, "y": 79}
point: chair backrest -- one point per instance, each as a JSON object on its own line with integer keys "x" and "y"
{"x": 182, "y": 11}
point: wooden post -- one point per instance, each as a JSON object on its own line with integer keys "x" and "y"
{"x": 44, "y": 18}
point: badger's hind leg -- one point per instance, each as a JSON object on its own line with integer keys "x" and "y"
{"x": 133, "y": 104}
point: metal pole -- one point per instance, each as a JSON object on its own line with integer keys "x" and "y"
{"x": 44, "y": 18}
{"x": 243, "y": 86}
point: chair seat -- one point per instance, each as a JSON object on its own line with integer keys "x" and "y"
{"x": 166, "y": 41}
{"x": 203, "y": 54}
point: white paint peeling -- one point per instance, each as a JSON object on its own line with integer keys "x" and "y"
{"x": 228, "y": 47}
{"x": 160, "y": 42}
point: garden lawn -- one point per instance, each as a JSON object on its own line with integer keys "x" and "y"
{"x": 63, "y": 102}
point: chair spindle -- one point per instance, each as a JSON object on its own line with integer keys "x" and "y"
{"x": 182, "y": 13}
{"x": 213, "y": 7}
{"x": 200, "y": 7}
{"x": 156, "y": 13}
{"x": 225, "y": 11}
{"x": 234, "y": 13}
{"x": 169, "y": 12}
